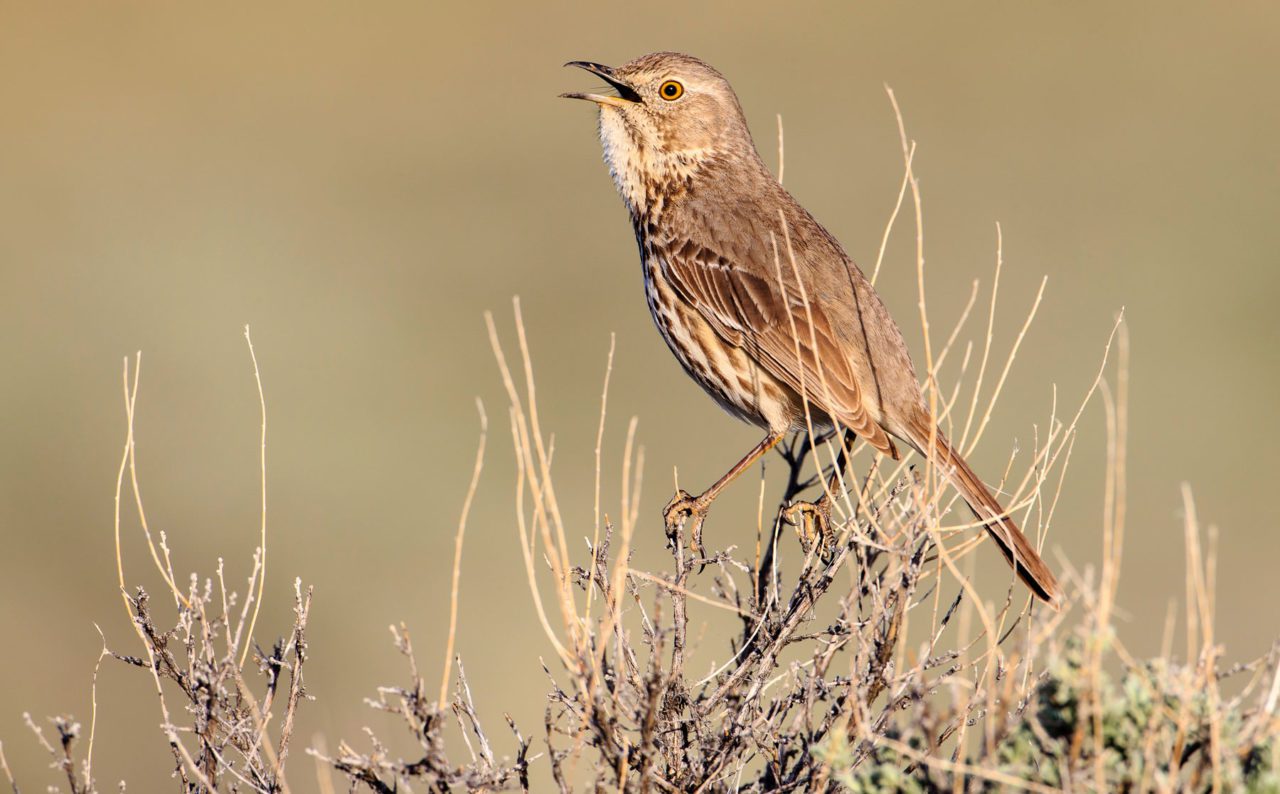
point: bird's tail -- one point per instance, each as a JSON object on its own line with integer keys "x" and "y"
{"x": 1022, "y": 556}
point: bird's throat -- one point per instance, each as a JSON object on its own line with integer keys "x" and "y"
{"x": 625, "y": 160}
{"x": 644, "y": 172}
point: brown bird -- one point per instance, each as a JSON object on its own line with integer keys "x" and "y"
{"x": 717, "y": 236}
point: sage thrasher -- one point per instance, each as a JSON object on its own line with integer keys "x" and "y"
{"x": 760, "y": 304}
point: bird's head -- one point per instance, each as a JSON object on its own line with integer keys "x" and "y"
{"x": 670, "y": 113}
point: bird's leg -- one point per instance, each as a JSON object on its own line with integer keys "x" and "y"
{"x": 812, "y": 520}
{"x": 683, "y": 506}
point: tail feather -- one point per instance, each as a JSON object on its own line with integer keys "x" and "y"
{"x": 1019, "y": 552}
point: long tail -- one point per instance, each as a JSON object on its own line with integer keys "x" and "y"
{"x": 1022, "y": 556}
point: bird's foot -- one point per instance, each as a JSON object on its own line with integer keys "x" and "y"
{"x": 812, "y": 521}
{"x": 683, "y": 509}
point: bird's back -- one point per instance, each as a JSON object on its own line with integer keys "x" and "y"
{"x": 781, "y": 259}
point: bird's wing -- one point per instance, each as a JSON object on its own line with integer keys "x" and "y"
{"x": 782, "y": 329}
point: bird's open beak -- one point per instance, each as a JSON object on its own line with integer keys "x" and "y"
{"x": 626, "y": 94}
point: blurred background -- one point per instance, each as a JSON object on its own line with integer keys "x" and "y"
{"x": 360, "y": 183}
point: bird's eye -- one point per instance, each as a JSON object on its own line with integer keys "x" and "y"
{"x": 671, "y": 91}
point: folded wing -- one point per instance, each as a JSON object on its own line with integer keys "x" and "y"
{"x": 785, "y": 332}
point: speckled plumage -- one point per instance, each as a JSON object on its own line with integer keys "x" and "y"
{"x": 758, "y": 302}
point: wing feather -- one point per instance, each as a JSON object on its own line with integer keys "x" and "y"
{"x": 788, "y": 336}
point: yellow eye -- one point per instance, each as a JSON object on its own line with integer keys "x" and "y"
{"x": 671, "y": 91}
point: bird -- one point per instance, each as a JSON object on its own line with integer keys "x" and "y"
{"x": 758, "y": 302}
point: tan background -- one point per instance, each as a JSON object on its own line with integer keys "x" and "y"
{"x": 359, "y": 182}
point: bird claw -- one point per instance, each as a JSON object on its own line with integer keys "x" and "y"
{"x": 680, "y": 509}
{"x": 813, "y": 527}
